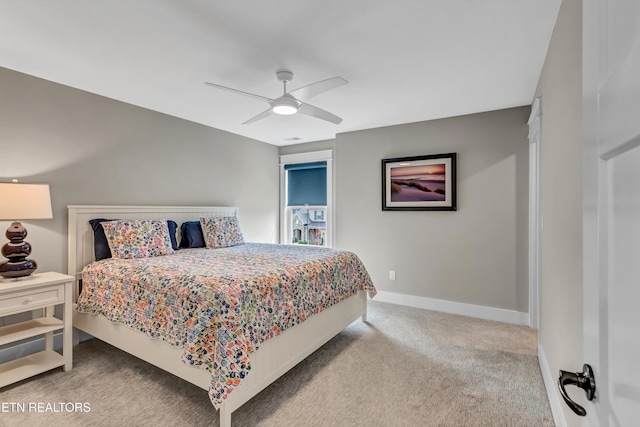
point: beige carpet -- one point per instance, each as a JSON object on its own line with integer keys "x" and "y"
{"x": 405, "y": 367}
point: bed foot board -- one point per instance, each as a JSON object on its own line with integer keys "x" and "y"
{"x": 278, "y": 355}
{"x": 225, "y": 416}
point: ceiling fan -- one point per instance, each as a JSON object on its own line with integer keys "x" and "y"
{"x": 290, "y": 102}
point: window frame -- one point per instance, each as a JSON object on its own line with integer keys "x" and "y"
{"x": 313, "y": 156}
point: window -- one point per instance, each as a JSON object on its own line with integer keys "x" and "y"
{"x": 318, "y": 214}
{"x": 306, "y": 199}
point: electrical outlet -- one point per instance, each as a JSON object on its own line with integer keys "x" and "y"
{"x": 392, "y": 275}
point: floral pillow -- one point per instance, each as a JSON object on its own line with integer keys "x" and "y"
{"x": 220, "y": 232}
{"x": 138, "y": 238}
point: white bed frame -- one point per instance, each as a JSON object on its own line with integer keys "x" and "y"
{"x": 274, "y": 357}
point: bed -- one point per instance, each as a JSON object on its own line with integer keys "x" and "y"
{"x": 243, "y": 359}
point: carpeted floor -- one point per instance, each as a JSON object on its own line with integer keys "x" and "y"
{"x": 405, "y": 367}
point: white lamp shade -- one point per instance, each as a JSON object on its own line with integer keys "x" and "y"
{"x": 24, "y": 201}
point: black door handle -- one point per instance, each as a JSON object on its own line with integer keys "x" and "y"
{"x": 585, "y": 380}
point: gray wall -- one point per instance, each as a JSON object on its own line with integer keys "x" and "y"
{"x": 560, "y": 86}
{"x": 477, "y": 254}
{"x": 94, "y": 150}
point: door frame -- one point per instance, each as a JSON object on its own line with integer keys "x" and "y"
{"x": 592, "y": 169}
{"x": 535, "y": 215}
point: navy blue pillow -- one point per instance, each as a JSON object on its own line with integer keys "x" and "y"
{"x": 192, "y": 236}
{"x": 101, "y": 245}
{"x": 173, "y": 227}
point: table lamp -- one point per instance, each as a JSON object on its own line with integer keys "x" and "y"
{"x": 19, "y": 202}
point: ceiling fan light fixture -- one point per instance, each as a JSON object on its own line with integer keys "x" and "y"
{"x": 285, "y": 105}
{"x": 285, "y": 110}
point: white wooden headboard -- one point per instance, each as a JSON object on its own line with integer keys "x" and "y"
{"x": 81, "y": 250}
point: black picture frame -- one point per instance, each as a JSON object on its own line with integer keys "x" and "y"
{"x": 421, "y": 183}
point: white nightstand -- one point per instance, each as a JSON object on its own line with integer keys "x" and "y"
{"x": 40, "y": 290}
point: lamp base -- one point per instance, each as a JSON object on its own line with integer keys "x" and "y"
{"x": 17, "y": 251}
{"x": 12, "y": 270}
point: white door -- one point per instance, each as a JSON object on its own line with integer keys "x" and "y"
{"x": 611, "y": 164}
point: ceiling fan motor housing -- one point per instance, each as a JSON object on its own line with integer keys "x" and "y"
{"x": 284, "y": 75}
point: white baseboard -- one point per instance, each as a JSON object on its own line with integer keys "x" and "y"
{"x": 463, "y": 309}
{"x": 552, "y": 390}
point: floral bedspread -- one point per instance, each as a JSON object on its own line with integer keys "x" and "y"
{"x": 221, "y": 304}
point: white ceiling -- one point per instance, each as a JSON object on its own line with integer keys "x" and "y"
{"x": 405, "y": 60}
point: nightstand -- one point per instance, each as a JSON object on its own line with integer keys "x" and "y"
{"x": 38, "y": 291}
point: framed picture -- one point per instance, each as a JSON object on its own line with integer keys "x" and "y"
{"x": 420, "y": 183}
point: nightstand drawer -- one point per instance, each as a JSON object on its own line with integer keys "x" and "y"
{"x": 20, "y": 301}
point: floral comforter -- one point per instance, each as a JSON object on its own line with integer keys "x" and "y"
{"x": 221, "y": 304}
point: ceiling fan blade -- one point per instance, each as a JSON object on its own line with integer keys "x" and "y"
{"x": 260, "y": 116}
{"x": 309, "y": 91}
{"x": 319, "y": 113}
{"x": 250, "y": 95}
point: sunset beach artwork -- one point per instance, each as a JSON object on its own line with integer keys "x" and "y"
{"x": 419, "y": 183}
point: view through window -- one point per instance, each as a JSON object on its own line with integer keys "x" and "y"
{"x": 308, "y": 225}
